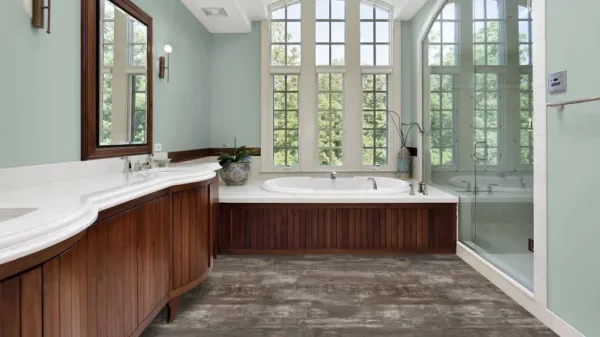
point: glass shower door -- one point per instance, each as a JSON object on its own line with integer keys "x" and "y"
{"x": 502, "y": 141}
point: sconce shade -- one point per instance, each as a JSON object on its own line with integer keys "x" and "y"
{"x": 37, "y": 14}
{"x": 168, "y": 49}
{"x": 161, "y": 67}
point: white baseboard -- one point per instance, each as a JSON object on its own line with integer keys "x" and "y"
{"x": 516, "y": 291}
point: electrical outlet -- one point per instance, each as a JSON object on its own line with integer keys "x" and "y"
{"x": 557, "y": 82}
{"x": 157, "y": 147}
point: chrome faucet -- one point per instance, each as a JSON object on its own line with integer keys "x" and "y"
{"x": 371, "y": 179}
{"x": 127, "y": 165}
{"x": 423, "y": 188}
{"x": 333, "y": 175}
{"x": 146, "y": 165}
{"x": 490, "y": 190}
{"x": 468, "y": 185}
{"x": 523, "y": 183}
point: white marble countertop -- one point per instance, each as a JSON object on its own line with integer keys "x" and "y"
{"x": 64, "y": 208}
{"x": 253, "y": 193}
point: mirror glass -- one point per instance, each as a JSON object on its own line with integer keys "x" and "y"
{"x": 123, "y": 74}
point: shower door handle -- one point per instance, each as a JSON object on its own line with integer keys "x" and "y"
{"x": 475, "y": 150}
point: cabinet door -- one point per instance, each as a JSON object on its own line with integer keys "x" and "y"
{"x": 112, "y": 277}
{"x": 154, "y": 234}
{"x": 191, "y": 241}
{"x": 21, "y": 305}
{"x": 214, "y": 218}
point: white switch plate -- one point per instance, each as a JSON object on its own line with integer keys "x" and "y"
{"x": 157, "y": 147}
{"x": 557, "y": 82}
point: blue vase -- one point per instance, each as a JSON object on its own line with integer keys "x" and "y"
{"x": 404, "y": 169}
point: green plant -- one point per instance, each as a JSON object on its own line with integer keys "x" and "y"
{"x": 240, "y": 155}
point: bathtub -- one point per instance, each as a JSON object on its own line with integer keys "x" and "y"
{"x": 499, "y": 184}
{"x": 341, "y": 186}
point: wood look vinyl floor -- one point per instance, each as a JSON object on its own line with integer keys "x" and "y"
{"x": 347, "y": 296}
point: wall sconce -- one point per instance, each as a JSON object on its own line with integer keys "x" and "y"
{"x": 37, "y": 14}
{"x": 162, "y": 67}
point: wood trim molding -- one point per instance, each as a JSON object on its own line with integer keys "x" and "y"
{"x": 180, "y": 156}
{"x": 90, "y": 83}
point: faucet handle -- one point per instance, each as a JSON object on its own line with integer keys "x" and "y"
{"x": 126, "y": 165}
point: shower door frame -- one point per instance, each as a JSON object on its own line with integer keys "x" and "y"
{"x": 537, "y": 301}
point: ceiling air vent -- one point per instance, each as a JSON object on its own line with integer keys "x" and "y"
{"x": 216, "y": 12}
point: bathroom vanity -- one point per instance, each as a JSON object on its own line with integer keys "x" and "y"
{"x": 116, "y": 275}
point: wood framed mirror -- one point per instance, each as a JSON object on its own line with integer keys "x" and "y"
{"x": 116, "y": 79}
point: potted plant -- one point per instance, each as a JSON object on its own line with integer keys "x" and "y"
{"x": 236, "y": 167}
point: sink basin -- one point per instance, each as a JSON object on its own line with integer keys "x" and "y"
{"x": 12, "y": 213}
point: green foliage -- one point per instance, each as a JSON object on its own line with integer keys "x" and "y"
{"x": 240, "y": 155}
{"x": 282, "y": 54}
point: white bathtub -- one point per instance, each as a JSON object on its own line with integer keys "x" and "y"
{"x": 343, "y": 186}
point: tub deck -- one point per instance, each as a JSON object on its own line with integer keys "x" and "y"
{"x": 254, "y": 221}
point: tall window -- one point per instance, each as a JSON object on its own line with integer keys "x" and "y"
{"x": 331, "y": 126}
{"x": 375, "y": 44}
{"x": 442, "y": 48}
{"x": 375, "y": 119}
{"x": 442, "y": 119}
{"x": 486, "y": 118}
{"x": 138, "y": 108}
{"x": 487, "y": 33}
{"x": 442, "y": 38}
{"x": 316, "y": 83}
{"x": 374, "y": 35}
{"x": 330, "y": 32}
{"x": 286, "y": 35}
{"x": 525, "y": 41}
{"x": 285, "y": 120}
{"x": 526, "y": 90}
{"x": 137, "y": 43}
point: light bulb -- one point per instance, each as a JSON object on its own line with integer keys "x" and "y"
{"x": 168, "y": 49}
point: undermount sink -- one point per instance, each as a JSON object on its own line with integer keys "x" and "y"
{"x": 12, "y": 213}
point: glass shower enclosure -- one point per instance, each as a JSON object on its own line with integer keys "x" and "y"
{"x": 478, "y": 139}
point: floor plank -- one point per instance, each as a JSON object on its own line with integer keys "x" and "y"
{"x": 347, "y": 296}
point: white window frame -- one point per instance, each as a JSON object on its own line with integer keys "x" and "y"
{"x": 308, "y": 92}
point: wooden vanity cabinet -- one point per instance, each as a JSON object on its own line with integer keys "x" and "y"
{"x": 113, "y": 279}
{"x": 191, "y": 241}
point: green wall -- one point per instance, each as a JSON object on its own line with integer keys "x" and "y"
{"x": 40, "y": 91}
{"x": 573, "y": 166}
{"x": 235, "y": 88}
{"x": 181, "y": 106}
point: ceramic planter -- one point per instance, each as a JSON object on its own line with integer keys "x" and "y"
{"x": 235, "y": 174}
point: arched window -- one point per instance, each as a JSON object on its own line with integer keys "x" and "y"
{"x": 326, "y": 90}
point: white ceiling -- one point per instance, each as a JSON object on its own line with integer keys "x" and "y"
{"x": 242, "y": 12}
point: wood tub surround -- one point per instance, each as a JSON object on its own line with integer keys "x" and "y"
{"x": 337, "y": 228}
{"x": 115, "y": 277}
